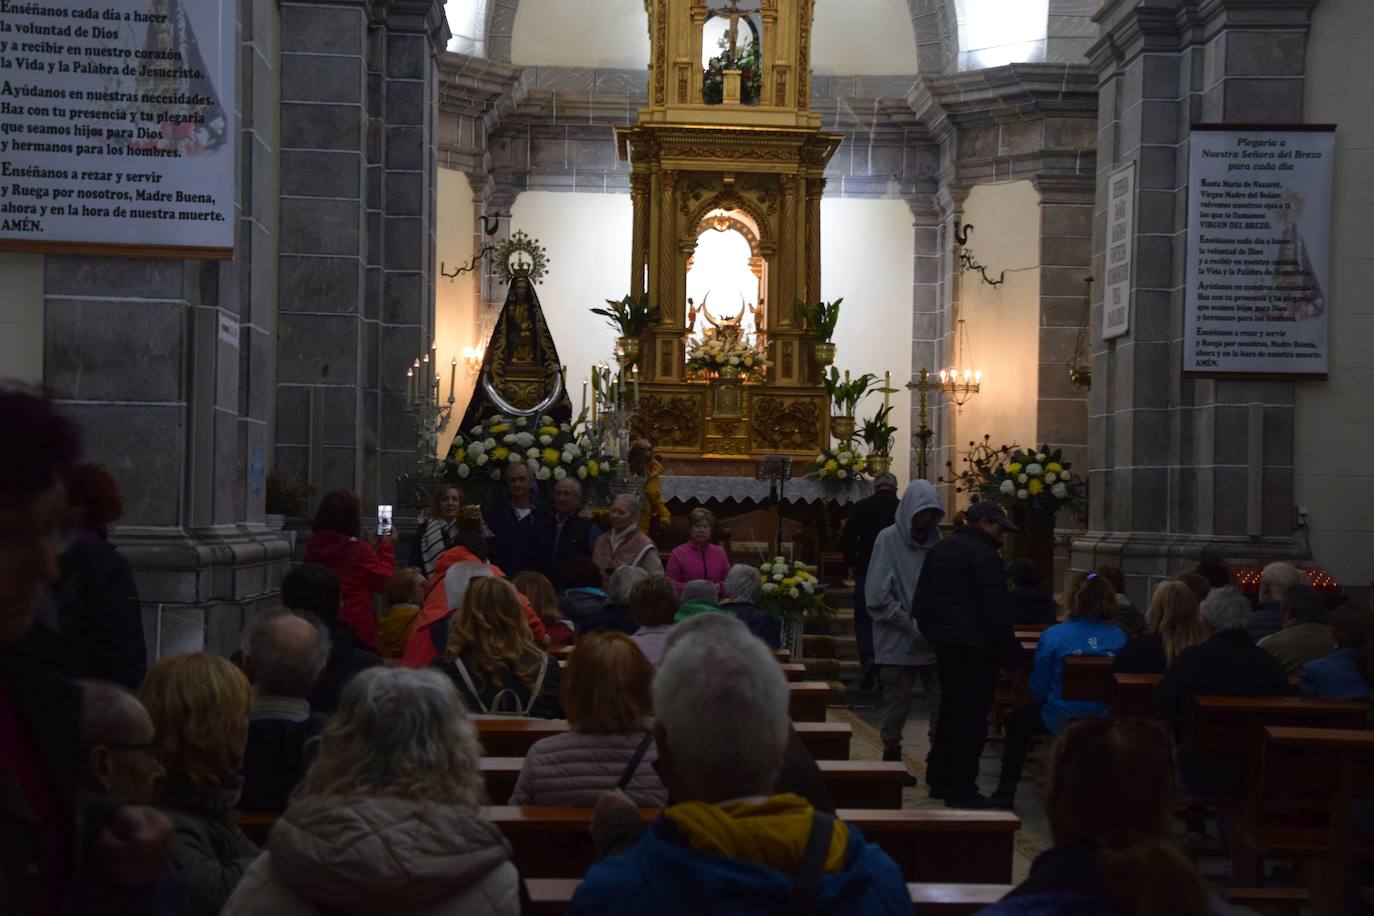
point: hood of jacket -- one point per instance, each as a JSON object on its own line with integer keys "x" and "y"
{"x": 383, "y": 854}
{"x": 328, "y": 547}
{"x": 919, "y": 495}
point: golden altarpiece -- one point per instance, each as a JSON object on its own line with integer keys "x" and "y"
{"x": 728, "y": 143}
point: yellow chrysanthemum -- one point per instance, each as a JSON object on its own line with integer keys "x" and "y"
{"x": 592, "y": 468}
{"x": 832, "y": 465}
{"x": 548, "y": 430}
{"x": 1035, "y": 486}
{"x": 550, "y": 456}
{"x": 1014, "y": 468}
{"x": 1053, "y": 467}
{"x": 500, "y": 428}
{"x": 789, "y": 582}
{"x": 500, "y": 453}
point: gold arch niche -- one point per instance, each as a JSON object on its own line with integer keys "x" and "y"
{"x": 719, "y": 220}
{"x": 689, "y": 159}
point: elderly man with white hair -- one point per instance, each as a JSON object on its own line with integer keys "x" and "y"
{"x": 1267, "y": 618}
{"x": 742, "y": 589}
{"x": 1228, "y": 663}
{"x": 728, "y": 844}
{"x": 565, "y": 533}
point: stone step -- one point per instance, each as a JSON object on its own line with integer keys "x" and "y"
{"x": 846, "y": 647}
{"x": 822, "y": 669}
{"x": 817, "y": 645}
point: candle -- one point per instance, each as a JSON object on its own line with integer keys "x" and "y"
{"x": 887, "y": 383}
{"x": 584, "y": 395}
{"x": 410, "y": 385}
{"x": 436, "y": 389}
{"x": 635, "y": 376}
{"x": 452, "y": 378}
{"x": 426, "y": 361}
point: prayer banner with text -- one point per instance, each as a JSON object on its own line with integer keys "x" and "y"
{"x": 117, "y": 126}
{"x": 1259, "y": 215}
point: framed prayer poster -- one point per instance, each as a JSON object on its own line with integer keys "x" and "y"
{"x": 117, "y": 131}
{"x": 1259, "y": 278}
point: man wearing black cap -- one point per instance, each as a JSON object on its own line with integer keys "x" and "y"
{"x": 962, "y": 610}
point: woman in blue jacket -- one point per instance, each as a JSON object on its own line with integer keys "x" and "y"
{"x": 1087, "y": 631}
{"x": 1345, "y": 673}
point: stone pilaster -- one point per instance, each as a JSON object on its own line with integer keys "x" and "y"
{"x": 1169, "y": 456}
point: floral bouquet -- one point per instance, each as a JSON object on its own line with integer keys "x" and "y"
{"x": 552, "y": 451}
{"x": 840, "y": 468}
{"x": 727, "y": 358}
{"x": 1037, "y": 481}
{"x": 790, "y": 590}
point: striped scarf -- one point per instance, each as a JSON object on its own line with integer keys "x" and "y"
{"x": 435, "y": 537}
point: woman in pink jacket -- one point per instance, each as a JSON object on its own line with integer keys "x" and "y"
{"x": 698, "y": 558}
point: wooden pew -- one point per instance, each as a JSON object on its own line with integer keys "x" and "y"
{"x": 1235, "y": 725}
{"x": 551, "y": 896}
{"x": 1132, "y": 695}
{"x": 1313, "y": 774}
{"x": 1088, "y": 677}
{"x": 512, "y": 737}
{"x": 794, "y": 671}
{"x": 783, "y": 655}
{"x": 852, "y": 783}
{"x": 927, "y": 845}
{"x": 807, "y": 701}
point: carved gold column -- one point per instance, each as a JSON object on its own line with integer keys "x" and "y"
{"x": 639, "y": 232}
{"x": 667, "y": 247}
{"x": 815, "y": 187}
{"x": 787, "y": 252}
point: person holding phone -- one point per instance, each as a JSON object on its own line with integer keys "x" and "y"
{"x": 362, "y": 568}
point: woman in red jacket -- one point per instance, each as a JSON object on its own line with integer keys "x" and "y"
{"x": 362, "y": 568}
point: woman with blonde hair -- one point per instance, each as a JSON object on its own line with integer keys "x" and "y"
{"x": 438, "y": 530}
{"x": 492, "y": 658}
{"x": 606, "y": 695}
{"x": 387, "y": 819}
{"x": 540, "y": 593}
{"x": 199, "y": 706}
{"x": 1175, "y": 624}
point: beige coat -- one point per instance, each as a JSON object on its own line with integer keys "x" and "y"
{"x": 629, "y": 548}
{"x": 380, "y": 855}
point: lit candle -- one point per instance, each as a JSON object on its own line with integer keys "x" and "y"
{"x": 410, "y": 385}
{"x": 426, "y": 362}
{"x": 452, "y": 378}
{"x": 635, "y": 376}
{"x": 584, "y": 395}
{"x": 436, "y": 389}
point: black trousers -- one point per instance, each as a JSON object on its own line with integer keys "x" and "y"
{"x": 863, "y": 624}
{"x": 1023, "y": 725}
{"x": 967, "y": 679}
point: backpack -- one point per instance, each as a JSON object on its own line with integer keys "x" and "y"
{"x": 507, "y": 701}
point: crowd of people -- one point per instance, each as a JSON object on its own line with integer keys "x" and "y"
{"x": 121, "y": 786}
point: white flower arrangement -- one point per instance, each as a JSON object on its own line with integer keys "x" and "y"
{"x": 714, "y": 354}
{"x": 551, "y": 450}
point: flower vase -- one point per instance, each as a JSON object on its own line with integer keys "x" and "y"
{"x": 629, "y": 349}
{"x": 792, "y": 627}
{"x": 823, "y": 353}
{"x": 879, "y": 464}
{"x": 1035, "y": 540}
{"x": 842, "y": 428}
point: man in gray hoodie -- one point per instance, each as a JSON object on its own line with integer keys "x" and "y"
{"x": 898, "y": 647}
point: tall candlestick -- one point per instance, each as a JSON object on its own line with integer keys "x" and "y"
{"x": 635, "y": 375}
{"x": 887, "y": 384}
{"x": 584, "y": 395}
{"x": 452, "y": 378}
{"x": 436, "y": 389}
{"x": 410, "y": 385}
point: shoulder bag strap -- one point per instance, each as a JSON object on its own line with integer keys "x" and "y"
{"x": 467, "y": 679}
{"x": 639, "y": 556}
{"x": 633, "y": 765}
{"x": 538, "y": 683}
{"x": 808, "y": 879}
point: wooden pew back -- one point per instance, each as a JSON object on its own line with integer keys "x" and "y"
{"x": 512, "y": 737}
{"x": 1235, "y": 725}
{"x": 1131, "y": 695}
{"x": 552, "y": 896}
{"x": 1088, "y": 677}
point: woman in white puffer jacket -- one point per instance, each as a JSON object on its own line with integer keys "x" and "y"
{"x": 387, "y": 819}
{"x": 606, "y": 698}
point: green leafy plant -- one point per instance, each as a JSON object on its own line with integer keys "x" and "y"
{"x": 629, "y": 317}
{"x": 846, "y": 393}
{"x": 878, "y": 433}
{"x": 820, "y": 319}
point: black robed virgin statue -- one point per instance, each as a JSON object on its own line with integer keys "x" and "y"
{"x": 521, "y": 375}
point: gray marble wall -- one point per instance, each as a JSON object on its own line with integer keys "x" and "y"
{"x": 1169, "y": 456}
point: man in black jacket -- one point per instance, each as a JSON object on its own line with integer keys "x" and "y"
{"x": 312, "y": 587}
{"x": 1227, "y": 664}
{"x": 867, "y": 518}
{"x": 962, "y": 610}
{"x": 563, "y": 533}
{"x": 515, "y": 521}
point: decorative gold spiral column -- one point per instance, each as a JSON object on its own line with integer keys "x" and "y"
{"x": 815, "y": 187}
{"x": 787, "y": 252}
{"x": 639, "y": 232}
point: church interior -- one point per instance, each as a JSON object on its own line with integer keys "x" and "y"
{"x": 1082, "y": 275}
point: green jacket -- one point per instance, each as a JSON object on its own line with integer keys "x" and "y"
{"x": 211, "y": 854}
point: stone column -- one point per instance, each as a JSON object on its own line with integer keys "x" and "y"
{"x": 926, "y": 310}
{"x": 167, "y": 366}
{"x": 1169, "y": 456}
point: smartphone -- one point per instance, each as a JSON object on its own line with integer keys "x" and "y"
{"x": 383, "y": 521}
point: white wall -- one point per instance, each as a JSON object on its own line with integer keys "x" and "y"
{"x": 862, "y": 36}
{"x": 1334, "y": 420}
{"x": 868, "y": 258}
{"x": 21, "y": 318}
{"x": 581, "y": 33}
{"x": 587, "y": 238}
{"x": 1003, "y": 322}
{"x": 455, "y": 301}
